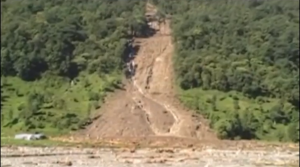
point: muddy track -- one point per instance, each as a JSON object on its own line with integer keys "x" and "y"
{"x": 154, "y": 76}
{"x": 177, "y": 120}
{"x": 176, "y": 123}
{"x": 147, "y": 112}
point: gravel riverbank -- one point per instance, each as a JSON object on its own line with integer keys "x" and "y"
{"x": 88, "y": 157}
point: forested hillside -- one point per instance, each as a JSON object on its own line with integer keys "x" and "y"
{"x": 60, "y": 58}
{"x": 237, "y": 62}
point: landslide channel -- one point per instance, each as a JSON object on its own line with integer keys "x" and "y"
{"x": 149, "y": 106}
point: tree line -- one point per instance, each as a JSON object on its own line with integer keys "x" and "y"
{"x": 250, "y": 47}
{"x": 66, "y": 37}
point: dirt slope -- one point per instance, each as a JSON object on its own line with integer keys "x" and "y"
{"x": 154, "y": 79}
{"x": 129, "y": 114}
{"x": 119, "y": 119}
{"x": 149, "y": 106}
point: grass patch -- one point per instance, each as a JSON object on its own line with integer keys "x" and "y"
{"x": 235, "y": 116}
{"x": 52, "y": 105}
{"x": 203, "y": 101}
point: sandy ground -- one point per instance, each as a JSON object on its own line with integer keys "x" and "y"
{"x": 84, "y": 157}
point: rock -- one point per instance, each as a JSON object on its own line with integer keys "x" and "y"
{"x": 93, "y": 156}
{"x": 64, "y": 163}
{"x": 68, "y": 163}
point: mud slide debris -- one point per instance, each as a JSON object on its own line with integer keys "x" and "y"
{"x": 149, "y": 107}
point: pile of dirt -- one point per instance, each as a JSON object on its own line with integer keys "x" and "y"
{"x": 129, "y": 114}
{"x": 120, "y": 117}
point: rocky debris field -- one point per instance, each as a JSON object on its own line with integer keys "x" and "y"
{"x": 158, "y": 157}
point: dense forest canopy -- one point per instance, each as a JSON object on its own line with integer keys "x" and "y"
{"x": 250, "y": 47}
{"x": 65, "y": 37}
{"x": 47, "y": 44}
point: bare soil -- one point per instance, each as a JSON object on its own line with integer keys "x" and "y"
{"x": 149, "y": 107}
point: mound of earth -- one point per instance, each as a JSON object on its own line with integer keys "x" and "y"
{"x": 130, "y": 115}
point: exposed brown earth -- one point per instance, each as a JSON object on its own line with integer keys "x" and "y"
{"x": 149, "y": 107}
